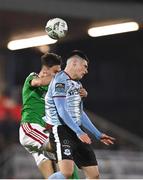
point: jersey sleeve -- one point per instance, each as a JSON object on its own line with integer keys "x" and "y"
{"x": 59, "y": 87}
{"x": 31, "y": 77}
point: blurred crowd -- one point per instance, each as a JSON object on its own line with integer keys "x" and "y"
{"x": 10, "y": 115}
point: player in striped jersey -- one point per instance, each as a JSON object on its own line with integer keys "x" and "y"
{"x": 64, "y": 110}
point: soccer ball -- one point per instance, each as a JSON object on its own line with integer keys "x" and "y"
{"x": 56, "y": 28}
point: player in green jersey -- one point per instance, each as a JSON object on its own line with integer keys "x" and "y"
{"x": 33, "y": 132}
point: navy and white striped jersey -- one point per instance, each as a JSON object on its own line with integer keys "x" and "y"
{"x": 62, "y": 86}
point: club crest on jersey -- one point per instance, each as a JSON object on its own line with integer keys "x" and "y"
{"x": 67, "y": 152}
{"x": 60, "y": 87}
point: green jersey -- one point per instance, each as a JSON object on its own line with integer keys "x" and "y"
{"x": 33, "y": 102}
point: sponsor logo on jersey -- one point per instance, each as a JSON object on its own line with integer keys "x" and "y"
{"x": 60, "y": 87}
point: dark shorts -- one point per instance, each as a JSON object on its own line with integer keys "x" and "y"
{"x": 66, "y": 145}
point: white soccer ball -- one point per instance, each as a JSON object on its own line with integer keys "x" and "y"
{"x": 56, "y": 28}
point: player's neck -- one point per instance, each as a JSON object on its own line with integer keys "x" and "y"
{"x": 70, "y": 73}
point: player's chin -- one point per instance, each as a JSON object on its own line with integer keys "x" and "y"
{"x": 81, "y": 76}
{"x": 78, "y": 78}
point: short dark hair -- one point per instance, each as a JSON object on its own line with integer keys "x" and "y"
{"x": 51, "y": 59}
{"x": 78, "y": 53}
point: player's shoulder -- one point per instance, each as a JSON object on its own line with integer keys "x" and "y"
{"x": 31, "y": 76}
{"x": 61, "y": 76}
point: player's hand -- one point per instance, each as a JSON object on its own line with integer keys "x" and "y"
{"x": 83, "y": 92}
{"x": 107, "y": 139}
{"x": 85, "y": 138}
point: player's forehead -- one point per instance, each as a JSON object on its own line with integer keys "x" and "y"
{"x": 83, "y": 62}
{"x": 44, "y": 67}
{"x": 56, "y": 67}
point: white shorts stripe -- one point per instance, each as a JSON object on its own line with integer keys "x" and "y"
{"x": 58, "y": 144}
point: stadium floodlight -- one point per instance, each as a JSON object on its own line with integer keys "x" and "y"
{"x": 30, "y": 42}
{"x": 113, "y": 29}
